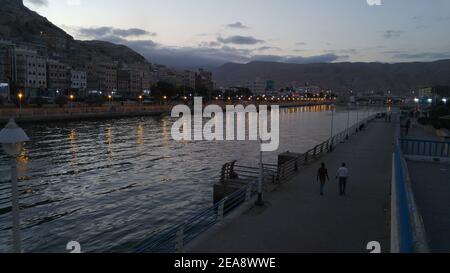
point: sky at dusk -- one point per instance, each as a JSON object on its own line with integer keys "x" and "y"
{"x": 211, "y": 32}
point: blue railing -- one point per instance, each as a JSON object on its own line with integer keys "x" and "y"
{"x": 175, "y": 238}
{"x": 430, "y": 148}
{"x": 403, "y": 227}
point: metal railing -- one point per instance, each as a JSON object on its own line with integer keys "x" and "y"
{"x": 175, "y": 238}
{"x": 407, "y": 229}
{"x": 287, "y": 170}
{"x": 429, "y": 148}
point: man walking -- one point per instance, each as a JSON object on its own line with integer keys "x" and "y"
{"x": 322, "y": 177}
{"x": 342, "y": 176}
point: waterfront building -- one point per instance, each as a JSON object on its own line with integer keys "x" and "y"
{"x": 57, "y": 76}
{"x": 129, "y": 82}
{"x": 188, "y": 79}
{"x": 204, "y": 80}
{"x": 257, "y": 86}
{"x": 78, "y": 80}
{"x": 31, "y": 71}
{"x": 6, "y": 61}
{"x": 101, "y": 75}
{"x": 133, "y": 79}
{"x": 426, "y": 92}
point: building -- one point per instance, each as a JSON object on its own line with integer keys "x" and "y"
{"x": 129, "y": 82}
{"x": 188, "y": 79}
{"x": 31, "y": 71}
{"x": 101, "y": 75}
{"x": 204, "y": 80}
{"x": 57, "y": 77}
{"x": 78, "y": 80}
{"x": 426, "y": 92}
{"x": 6, "y": 61}
{"x": 257, "y": 86}
{"x": 134, "y": 79}
{"x": 270, "y": 86}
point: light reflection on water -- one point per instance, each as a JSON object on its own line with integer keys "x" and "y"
{"x": 110, "y": 184}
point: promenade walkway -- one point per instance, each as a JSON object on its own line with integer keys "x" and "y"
{"x": 297, "y": 219}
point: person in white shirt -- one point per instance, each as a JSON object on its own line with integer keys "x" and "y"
{"x": 342, "y": 176}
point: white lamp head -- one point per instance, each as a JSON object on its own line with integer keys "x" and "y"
{"x": 12, "y": 137}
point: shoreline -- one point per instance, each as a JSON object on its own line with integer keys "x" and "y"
{"x": 39, "y": 115}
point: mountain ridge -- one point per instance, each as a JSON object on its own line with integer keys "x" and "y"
{"x": 357, "y": 76}
{"x": 21, "y": 25}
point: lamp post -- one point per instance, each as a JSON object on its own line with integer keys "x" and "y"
{"x": 332, "y": 127}
{"x": 260, "y": 201}
{"x": 348, "y": 123}
{"x": 71, "y": 100}
{"x": 20, "y": 103}
{"x": 357, "y": 119}
{"x": 11, "y": 138}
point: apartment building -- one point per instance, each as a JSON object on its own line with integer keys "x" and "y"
{"x": 57, "y": 76}
{"x": 31, "y": 70}
{"x": 78, "y": 79}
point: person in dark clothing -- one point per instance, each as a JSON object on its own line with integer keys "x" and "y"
{"x": 322, "y": 177}
{"x": 408, "y": 126}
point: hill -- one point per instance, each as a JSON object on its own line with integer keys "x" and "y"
{"x": 24, "y": 26}
{"x": 399, "y": 77}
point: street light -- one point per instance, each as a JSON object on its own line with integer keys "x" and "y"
{"x": 348, "y": 123}
{"x": 20, "y": 102}
{"x": 71, "y": 100}
{"x": 110, "y": 99}
{"x": 11, "y": 138}
{"x": 260, "y": 201}
{"x": 332, "y": 127}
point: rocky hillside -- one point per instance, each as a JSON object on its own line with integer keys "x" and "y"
{"x": 22, "y": 25}
{"x": 400, "y": 77}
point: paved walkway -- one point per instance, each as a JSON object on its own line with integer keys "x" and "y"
{"x": 298, "y": 220}
{"x": 431, "y": 186}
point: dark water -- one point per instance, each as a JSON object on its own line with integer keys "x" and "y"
{"x": 110, "y": 184}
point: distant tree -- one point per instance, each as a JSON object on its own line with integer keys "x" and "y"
{"x": 161, "y": 89}
{"x": 38, "y": 101}
{"x": 95, "y": 100}
{"x": 61, "y": 101}
{"x": 437, "y": 112}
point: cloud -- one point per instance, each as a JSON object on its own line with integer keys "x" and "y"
{"x": 421, "y": 56}
{"x": 300, "y": 44}
{"x": 264, "y": 48}
{"x": 207, "y": 54}
{"x": 351, "y": 51}
{"x": 324, "y": 58}
{"x": 238, "y": 25}
{"x": 37, "y": 3}
{"x": 392, "y": 33}
{"x": 100, "y": 32}
{"x": 240, "y": 40}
